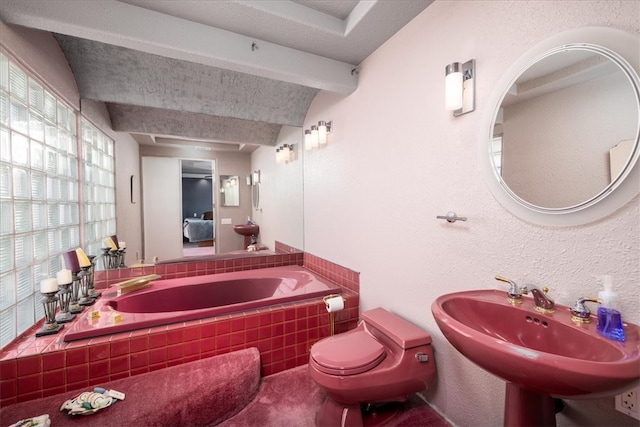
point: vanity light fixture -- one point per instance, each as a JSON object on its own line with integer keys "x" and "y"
{"x": 307, "y": 139}
{"x": 314, "y": 136}
{"x": 317, "y": 135}
{"x": 460, "y": 89}
{"x": 284, "y": 153}
{"x": 255, "y": 177}
{"x": 324, "y": 128}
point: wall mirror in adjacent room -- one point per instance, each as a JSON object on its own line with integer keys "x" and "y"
{"x": 229, "y": 190}
{"x": 562, "y": 147}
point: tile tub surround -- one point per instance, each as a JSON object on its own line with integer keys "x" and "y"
{"x": 32, "y": 367}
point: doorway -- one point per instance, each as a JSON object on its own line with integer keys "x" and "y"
{"x": 198, "y": 207}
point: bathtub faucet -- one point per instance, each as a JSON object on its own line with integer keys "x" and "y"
{"x": 135, "y": 284}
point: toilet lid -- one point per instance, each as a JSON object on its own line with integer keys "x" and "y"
{"x": 348, "y": 354}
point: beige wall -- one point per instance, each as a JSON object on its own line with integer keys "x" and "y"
{"x": 397, "y": 159}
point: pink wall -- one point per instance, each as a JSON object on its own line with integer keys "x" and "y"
{"x": 396, "y": 159}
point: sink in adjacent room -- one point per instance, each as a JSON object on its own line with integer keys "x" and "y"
{"x": 250, "y": 233}
{"x": 539, "y": 355}
{"x": 247, "y": 229}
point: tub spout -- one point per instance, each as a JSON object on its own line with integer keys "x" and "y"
{"x": 136, "y": 284}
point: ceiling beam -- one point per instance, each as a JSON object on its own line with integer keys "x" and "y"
{"x": 155, "y": 121}
{"x": 133, "y": 27}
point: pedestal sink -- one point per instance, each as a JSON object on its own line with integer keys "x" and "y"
{"x": 541, "y": 356}
{"x": 249, "y": 231}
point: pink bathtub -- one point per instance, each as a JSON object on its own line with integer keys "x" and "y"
{"x": 178, "y": 300}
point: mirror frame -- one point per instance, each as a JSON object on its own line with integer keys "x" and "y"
{"x": 617, "y": 45}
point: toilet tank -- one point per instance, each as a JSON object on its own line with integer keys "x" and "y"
{"x": 404, "y": 334}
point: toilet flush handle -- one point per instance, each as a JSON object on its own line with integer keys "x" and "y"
{"x": 421, "y": 357}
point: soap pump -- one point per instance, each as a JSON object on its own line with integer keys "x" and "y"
{"x": 609, "y": 318}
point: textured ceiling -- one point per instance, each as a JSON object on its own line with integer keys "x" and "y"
{"x": 229, "y": 72}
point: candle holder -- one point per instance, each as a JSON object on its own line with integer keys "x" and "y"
{"x": 74, "y": 306}
{"x": 50, "y": 302}
{"x": 64, "y": 295}
{"x": 105, "y": 258}
{"x": 90, "y": 275}
{"x": 113, "y": 259}
{"x": 85, "y": 299}
{"x": 121, "y": 253}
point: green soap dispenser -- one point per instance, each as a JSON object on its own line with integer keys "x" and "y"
{"x": 609, "y": 318}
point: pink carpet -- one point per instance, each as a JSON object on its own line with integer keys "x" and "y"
{"x": 201, "y": 393}
{"x": 291, "y": 399}
{"x": 198, "y": 251}
{"x": 224, "y": 390}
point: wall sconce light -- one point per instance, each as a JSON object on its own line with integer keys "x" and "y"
{"x": 324, "y": 129}
{"x": 284, "y": 154}
{"x": 253, "y": 178}
{"x": 460, "y": 88}
{"x": 317, "y": 135}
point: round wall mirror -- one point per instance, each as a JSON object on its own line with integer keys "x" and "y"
{"x": 564, "y": 126}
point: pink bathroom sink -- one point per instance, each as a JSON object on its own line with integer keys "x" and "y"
{"x": 543, "y": 353}
{"x": 246, "y": 229}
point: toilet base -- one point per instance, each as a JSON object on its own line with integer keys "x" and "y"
{"x": 334, "y": 414}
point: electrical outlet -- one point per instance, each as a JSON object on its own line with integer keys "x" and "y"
{"x": 628, "y": 403}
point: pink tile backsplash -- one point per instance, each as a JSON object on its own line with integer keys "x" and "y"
{"x": 33, "y": 367}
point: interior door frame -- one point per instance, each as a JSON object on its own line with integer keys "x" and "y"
{"x": 214, "y": 196}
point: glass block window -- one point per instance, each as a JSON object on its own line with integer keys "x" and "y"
{"x": 98, "y": 168}
{"x": 39, "y": 194}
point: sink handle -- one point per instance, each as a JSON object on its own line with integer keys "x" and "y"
{"x": 580, "y": 312}
{"x": 514, "y": 292}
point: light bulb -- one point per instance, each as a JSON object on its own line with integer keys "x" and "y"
{"x": 307, "y": 140}
{"x": 453, "y": 87}
{"x": 314, "y": 136}
{"x": 322, "y": 132}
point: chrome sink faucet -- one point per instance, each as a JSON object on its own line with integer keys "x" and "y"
{"x": 544, "y": 304}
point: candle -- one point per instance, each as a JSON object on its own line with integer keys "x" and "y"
{"x": 64, "y": 276}
{"x": 48, "y": 285}
{"x": 83, "y": 259}
{"x": 110, "y": 244}
{"x": 115, "y": 241}
{"x": 71, "y": 261}
{"x": 123, "y": 245}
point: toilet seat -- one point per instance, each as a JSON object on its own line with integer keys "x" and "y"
{"x": 350, "y": 353}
